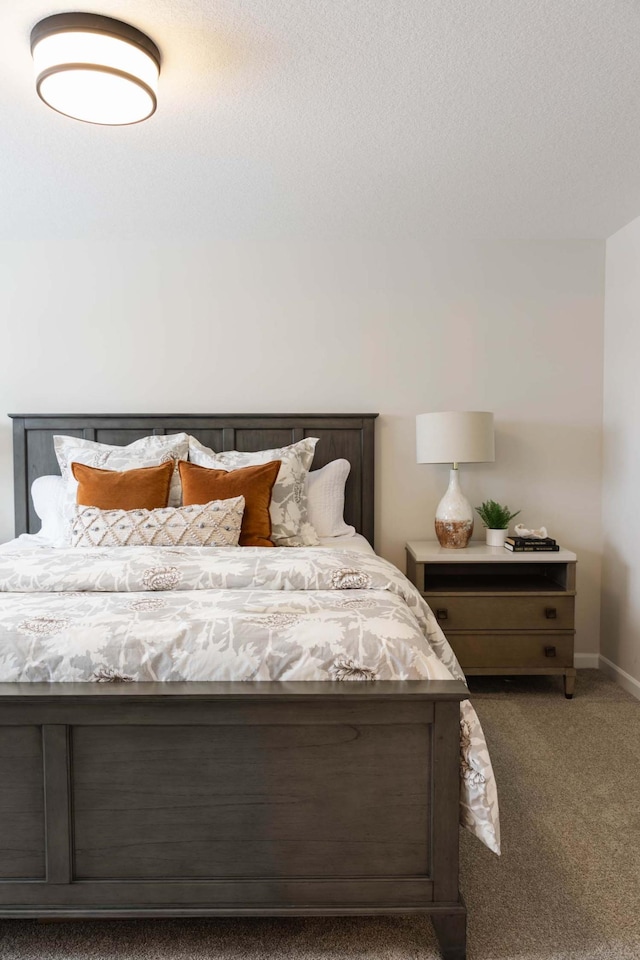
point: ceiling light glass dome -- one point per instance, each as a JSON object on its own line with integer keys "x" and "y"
{"x": 95, "y": 69}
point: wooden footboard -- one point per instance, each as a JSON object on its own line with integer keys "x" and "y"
{"x": 221, "y": 799}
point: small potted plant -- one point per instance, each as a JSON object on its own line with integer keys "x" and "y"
{"x": 496, "y": 519}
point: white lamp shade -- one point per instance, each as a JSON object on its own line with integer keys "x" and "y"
{"x": 454, "y": 437}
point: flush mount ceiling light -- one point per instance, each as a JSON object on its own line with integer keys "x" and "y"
{"x": 95, "y": 69}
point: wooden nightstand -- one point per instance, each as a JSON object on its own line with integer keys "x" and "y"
{"x": 502, "y": 612}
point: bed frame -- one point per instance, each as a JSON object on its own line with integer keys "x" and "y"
{"x": 228, "y": 799}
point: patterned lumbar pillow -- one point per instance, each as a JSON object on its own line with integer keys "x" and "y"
{"x": 214, "y": 524}
{"x": 290, "y": 524}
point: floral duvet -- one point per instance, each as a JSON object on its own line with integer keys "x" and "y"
{"x": 171, "y": 613}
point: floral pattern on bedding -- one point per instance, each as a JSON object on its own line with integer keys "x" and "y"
{"x": 170, "y": 613}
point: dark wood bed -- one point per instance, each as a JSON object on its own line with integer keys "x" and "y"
{"x": 227, "y": 799}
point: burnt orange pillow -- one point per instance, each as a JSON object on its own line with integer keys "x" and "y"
{"x": 145, "y": 488}
{"x": 202, "y": 484}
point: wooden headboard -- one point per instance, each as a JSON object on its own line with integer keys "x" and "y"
{"x": 341, "y": 435}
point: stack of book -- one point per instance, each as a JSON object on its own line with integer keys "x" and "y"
{"x": 531, "y": 545}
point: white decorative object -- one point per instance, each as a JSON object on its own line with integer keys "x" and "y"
{"x": 539, "y": 534}
{"x": 496, "y": 538}
{"x": 454, "y": 437}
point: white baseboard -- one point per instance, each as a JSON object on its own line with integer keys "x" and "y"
{"x": 586, "y": 661}
{"x": 621, "y": 677}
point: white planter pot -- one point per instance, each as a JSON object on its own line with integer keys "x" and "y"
{"x": 496, "y": 538}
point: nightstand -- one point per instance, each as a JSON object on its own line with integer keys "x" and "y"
{"x": 502, "y": 612}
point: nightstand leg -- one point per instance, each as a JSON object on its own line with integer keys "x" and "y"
{"x": 569, "y": 683}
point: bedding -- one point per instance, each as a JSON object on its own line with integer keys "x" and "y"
{"x": 144, "y": 488}
{"x": 201, "y": 484}
{"x": 325, "y": 499}
{"x": 213, "y": 524}
{"x": 325, "y": 504}
{"x": 26, "y": 541}
{"x": 353, "y": 541}
{"x": 146, "y": 452}
{"x": 153, "y": 613}
{"x": 290, "y": 525}
{"x": 49, "y": 500}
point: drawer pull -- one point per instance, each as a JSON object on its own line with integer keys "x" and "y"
{"x": 549, "y": 651}
{"x": 442, "y": 613}
{"x": 550, "y": 613}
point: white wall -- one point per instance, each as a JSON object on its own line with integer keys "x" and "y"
{"x": 621, "y": 460}
{"x": 511, "y": 327}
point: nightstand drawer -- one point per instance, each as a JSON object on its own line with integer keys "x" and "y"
{"x": 512, "y": 649}
{"x": 553, "y": 612}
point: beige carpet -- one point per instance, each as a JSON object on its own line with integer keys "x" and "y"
{"x": 566, "y": 888}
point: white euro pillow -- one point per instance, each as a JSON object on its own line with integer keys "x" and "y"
{"x": 290, "y": 525}
{"x": 325, "y": 499}
{"x": 146, "y": 452}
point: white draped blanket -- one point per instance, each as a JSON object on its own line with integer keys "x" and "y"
{"x": 170, "y": 613}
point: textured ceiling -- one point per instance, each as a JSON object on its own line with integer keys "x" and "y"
{"x": 350, "y": 118}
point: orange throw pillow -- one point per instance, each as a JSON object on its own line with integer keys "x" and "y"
{"x": 202, "y": 484}
{"x": 145, "y": 488}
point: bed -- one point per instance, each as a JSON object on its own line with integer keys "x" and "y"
{"x": 143, "y": 797}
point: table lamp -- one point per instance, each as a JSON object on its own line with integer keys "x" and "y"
{"x": 454, "y": 438}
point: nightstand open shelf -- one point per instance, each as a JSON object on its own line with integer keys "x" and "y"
{"x": 495, "y": 583}
{"x": 502, "y": 612}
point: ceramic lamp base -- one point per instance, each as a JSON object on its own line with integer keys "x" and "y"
{"x": 454, "y": 516}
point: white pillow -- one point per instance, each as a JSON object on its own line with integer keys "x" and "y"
{"x": 213, "y": 524}
{"x": 145, "y": 452}
{"x": 49, "y": 498}
{"x": 325, "y": 499}
{"x": 290, "y": 526}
